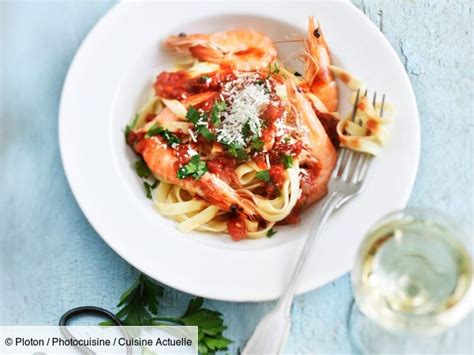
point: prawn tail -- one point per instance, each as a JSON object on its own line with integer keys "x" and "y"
{"x": 207, "y": 54}
{"x": 182, "y": 43}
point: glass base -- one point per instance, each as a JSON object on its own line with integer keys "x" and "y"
{"x": 367, "y": 337}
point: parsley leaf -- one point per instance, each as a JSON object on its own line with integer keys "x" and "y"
{"x": 215, "y": 119}
{"x": 210, "y": 327}
{"x": 206, "y": 133}
{"x": 193, "y": 115}
{"x": 149, "y": 188}
{"x": 200, "y": 124}
{"x": 257, "y": 144}
{"x": 263, "y": 175}
{"x": 169, "y": 137}
{"x": 142, "y": 169}
{"x": 221, "y": 105}
{"x": 216, "y": 109}
{"x": 237, "y": 151}
{"x": 246, "y": 129}
{"x": 129, "y": 127}
{"x": 195, "y": 168}
{"x": 275, "y": 69}
{"x": 140, "y": 302}
{"x": 287, "y": 161}
{"x": 155, "y": 130}
{"x": 139, "y": 306}
{"x": 271, "y": 232}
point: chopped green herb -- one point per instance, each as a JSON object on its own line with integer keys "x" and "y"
{"x": 128, "y": 129}
{"x": 215, "y": 119}
{"x": 287, "y": 161}
{"x": 149, "y": 188}
{"x": 142, "y": 169}
{"x": 219, "y": 106}
{"x": 237, "y": 151}
{"x": 193, "y": 115}
{"x": 257, "y": 144}
{"x": 200, "y": 124}
{"x": 275, "y": 69}
{"x": 131, "y": 125}
{"x": 271, "y": 232}
{"x": 246, "y": 129}
{"x": 286, "y": 139}
{"x": 263, "y": 175}
{"x": 169, "y": 137}
{"x": 205, "y": 77}
{"x": 195, "y": 168}
{"x": 206, "y": 133}
{"x": 155, "y": 130}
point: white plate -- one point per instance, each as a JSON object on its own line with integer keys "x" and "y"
{"x": 106, "y": 84}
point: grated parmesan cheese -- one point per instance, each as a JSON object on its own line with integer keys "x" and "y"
{"x": 191, "y": 134}
{"x": 246, "y": 100}
{"x": 191, "y": 152}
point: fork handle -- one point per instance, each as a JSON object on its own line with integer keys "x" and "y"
{"x": 327, "y": 207}
{"x": 271, "y": 333}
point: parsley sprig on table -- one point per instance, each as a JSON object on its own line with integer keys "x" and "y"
{"x": 139, "y": 303}
{"x": 139, "y": 306}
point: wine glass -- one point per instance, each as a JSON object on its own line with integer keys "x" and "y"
{"x": 412, "y": 281}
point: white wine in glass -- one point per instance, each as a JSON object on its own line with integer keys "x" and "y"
{"x": 414, "y": 273}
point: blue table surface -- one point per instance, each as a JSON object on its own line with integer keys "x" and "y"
{"x": 50, "y": 257}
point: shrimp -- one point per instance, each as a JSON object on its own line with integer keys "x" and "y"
{"x": 319, "y": 155}
{"x": 243, "y": 50}
{"x": 163, "y": 162}
{"x": 317, "y": 70}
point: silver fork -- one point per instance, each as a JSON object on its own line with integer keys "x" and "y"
{"x": 346, "y": 182}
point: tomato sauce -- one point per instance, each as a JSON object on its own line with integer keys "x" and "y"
{"x": 224, "y": 167}
{"x": 179, "y": 85}
{"x": 134, "y": 137}
{"x": 282, "y": 148}
{"x": 273, "y": 111}
{"x": 236, "y": 228}
{"x": 278, "y": 175}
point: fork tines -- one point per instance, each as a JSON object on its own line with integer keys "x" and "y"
{"x": 352, "y": 165}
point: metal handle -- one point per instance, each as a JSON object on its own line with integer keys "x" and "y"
{"x": 271, "y": 333}
{"x": 327, "y": 207}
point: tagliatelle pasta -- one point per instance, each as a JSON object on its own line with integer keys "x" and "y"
{"x": 368, "y": 132}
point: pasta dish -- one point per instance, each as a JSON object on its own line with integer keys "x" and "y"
{"x": 234, "y": 140}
